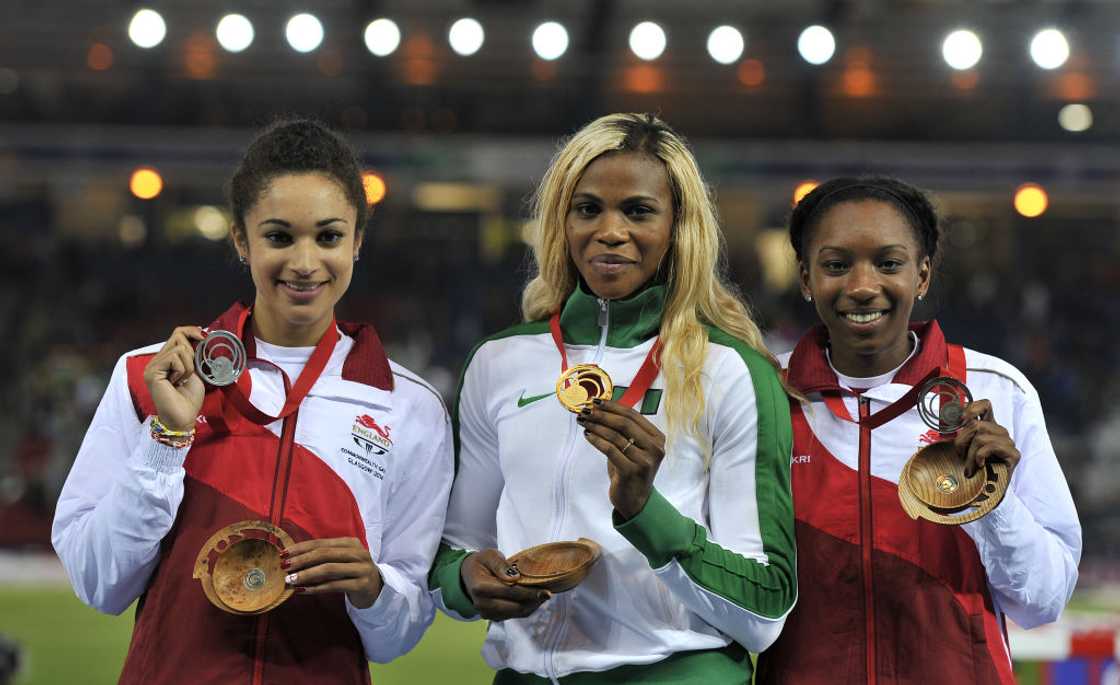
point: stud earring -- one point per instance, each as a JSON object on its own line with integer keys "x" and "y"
{"x": 356, "y": 257}
{"x": 808, "y": 298}
{"x": 921, "y": 297}
{"x": 241, "y": 258}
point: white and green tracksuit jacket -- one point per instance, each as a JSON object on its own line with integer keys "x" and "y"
{"x": 709, "y": 562}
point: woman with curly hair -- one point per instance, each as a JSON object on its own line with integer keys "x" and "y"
{"x": 322, "y": 441}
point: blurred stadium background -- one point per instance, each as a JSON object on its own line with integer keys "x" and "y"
{"x": 119, "y": 124}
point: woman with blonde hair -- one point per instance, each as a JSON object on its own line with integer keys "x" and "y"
{"x": 682, "y": 476}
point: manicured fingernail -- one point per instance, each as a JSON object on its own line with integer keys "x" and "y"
{"x": 597, "y": 401}
{"x": 298, "y": 590}
{"x": 586, "y": 411}
{"x": 284, "y": 554}
{"x": 511, "y": 571}
{"x": 290, "y": 579}
{"x": 284, "y": 563}
{"x": 543, "y": 595}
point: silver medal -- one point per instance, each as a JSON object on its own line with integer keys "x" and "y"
{"x": 220, "y": 358}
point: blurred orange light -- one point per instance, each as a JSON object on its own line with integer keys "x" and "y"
{"x": 803, "y": 189}
{"x": 200, "y": 60}
{"x": 99, "y": 57}
{"x": 145, "y": 183}
{"x": 1075, "y": 86}
{"x": 374, "y": 186}
{"x": 752, "y": 73}
{"x": 643, "y": 78}
{"x": 1031, "y": 200}
{"x": 966, "y": 80}
{"x": 542, "y": 70}
{"x": 859, "y": 82}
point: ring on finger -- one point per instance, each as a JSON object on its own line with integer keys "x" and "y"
{"x": 629, "y": 444}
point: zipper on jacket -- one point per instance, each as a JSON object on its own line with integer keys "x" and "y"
{"x": 866, "y": 537}
{"x": 604, "y": 328}
{"x": 554, "y": 639}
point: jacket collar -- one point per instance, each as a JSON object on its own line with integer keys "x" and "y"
{"x": 366, "y": 363}
{"x": 810, "y": 372}
{"x": 630, "y": 321}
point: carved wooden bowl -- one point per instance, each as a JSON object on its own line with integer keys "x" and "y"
{"x": 239, "y": 568}
{"x": 556, "y": 566}
{"x": 933, "y": 486}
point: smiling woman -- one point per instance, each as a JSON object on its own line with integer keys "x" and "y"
{"x": 687, "y": 498}
{"x": 886, "y": 597}
{"x": 174, "y": 476}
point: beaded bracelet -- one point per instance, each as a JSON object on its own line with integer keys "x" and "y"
{"x": 172, "y": 438}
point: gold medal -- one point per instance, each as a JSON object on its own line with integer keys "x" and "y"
{"x": 581, "y": 384}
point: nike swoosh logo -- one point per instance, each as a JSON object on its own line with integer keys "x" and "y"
{"x": 522, "y": 401}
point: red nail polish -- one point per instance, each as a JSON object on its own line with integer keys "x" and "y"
{"x": 284, "y": 563}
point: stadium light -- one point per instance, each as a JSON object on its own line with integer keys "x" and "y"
{"x": 962, "y": 49}
{"x": 466, "y": 36}
{"x": 1049, "y": 48}
{"x": 1075, "y": 118}
{"x": 1031, "y": 200}
{"x": 374, "y": 186}
{"x": 725, "y": 44}
{"x": 147, "y": 28}
{"x": 802, "y": 189}
{"x": 145, "y": 183}
{"x": 304, "y": 32}
{"x": 647, "y": 40}
{"x": 816, "y": 45}
{"x": 234, "y": 32}
{"x": 550, "y": 40}
{"x": 382, "y": 37}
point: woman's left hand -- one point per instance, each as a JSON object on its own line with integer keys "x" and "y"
{"x": 333, "y": 565}
{"x": 634, "y": 449}
{"x": 982, "y": 439}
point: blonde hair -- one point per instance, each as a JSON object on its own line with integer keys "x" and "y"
{"x": 698, "y": 293}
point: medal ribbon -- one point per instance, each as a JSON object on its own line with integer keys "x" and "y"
{"x": 955, "y": 368}
{"x": 238, "y": 393}
{"x": 644, "y": 378}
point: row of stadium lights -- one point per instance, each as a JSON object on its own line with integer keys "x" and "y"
{"x": 1030, "y": 199}
{"x": 961, "y": 49}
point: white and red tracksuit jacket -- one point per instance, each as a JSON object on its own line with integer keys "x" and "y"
{"x": 887, "y": 599}
{"x": 367, "y": 455}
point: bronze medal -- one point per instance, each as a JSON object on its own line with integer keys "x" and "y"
{"x": 932, "y": 484}
{"x": 239, "y": 567}
{"x": 581, "y": 384}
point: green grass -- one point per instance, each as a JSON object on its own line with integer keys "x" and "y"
{"x": 65, "y": 641}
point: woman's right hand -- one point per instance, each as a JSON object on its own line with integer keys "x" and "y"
{"x": 489, "y": 579}
{"x": 176, "y": 389}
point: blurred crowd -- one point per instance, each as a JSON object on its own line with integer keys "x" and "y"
{"x": 1045, "y": 303}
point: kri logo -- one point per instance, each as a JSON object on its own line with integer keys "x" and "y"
{"x": 370, "y": 436}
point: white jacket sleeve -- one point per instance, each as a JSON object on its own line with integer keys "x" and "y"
{"x": 472, "y": 511}
{"x": 413, "y": 524}
{"x": 737, "y": 573}
{"x": 1030, "y": 544}
{"x": 119, "y": 501}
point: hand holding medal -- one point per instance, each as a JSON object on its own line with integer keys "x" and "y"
{"x": 176, "y": 389}
{"x": 957, "y": 481}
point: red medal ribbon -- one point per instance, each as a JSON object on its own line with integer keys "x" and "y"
{"x": 644, "y": 378}
{"x": 238, "y": 393}
{"x": 955, "y": 367}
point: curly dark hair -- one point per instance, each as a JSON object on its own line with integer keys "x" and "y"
{"x": 295, "y": 146}
{"x": 911, "y": 202}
